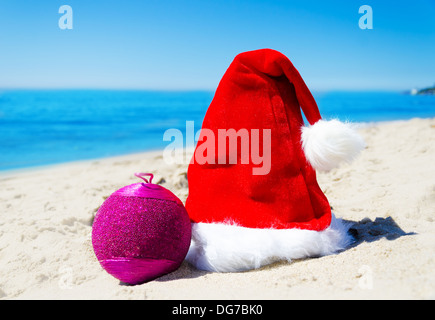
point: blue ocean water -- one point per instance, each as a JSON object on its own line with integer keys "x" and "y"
{"x": 39, "y": 127}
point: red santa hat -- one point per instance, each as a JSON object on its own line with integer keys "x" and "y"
{"x": 243, "y": 218}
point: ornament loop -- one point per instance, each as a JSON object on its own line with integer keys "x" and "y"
{"x": 143, "y": 175}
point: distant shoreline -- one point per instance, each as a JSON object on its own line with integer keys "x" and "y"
{"x": 428, "y": 91}
{"x": 421, "y": 92}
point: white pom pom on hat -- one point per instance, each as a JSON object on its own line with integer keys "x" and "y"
{"x": 327, "y": 144}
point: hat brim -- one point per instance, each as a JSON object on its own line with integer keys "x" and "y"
{"x": 220, "y": 247}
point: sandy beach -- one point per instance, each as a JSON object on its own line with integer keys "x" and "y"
{"x": 388, "y": 194}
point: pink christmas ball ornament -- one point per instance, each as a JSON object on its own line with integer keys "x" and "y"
{"x": 141, "y": 232}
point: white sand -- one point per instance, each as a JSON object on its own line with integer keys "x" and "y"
{"x": 388, "y": 193}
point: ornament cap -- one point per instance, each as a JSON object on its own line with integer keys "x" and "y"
{"x": 143, "y": 175}
{"x": 147, "y": 189}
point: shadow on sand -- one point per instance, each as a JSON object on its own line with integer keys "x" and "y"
{"x": 370, "y": 231}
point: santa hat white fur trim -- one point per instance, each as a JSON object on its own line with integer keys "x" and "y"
{"x": 327, "y": 144}
{"x": 230, "y": 248}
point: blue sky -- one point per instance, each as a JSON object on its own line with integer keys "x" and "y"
{"x": 189, "y": 44}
